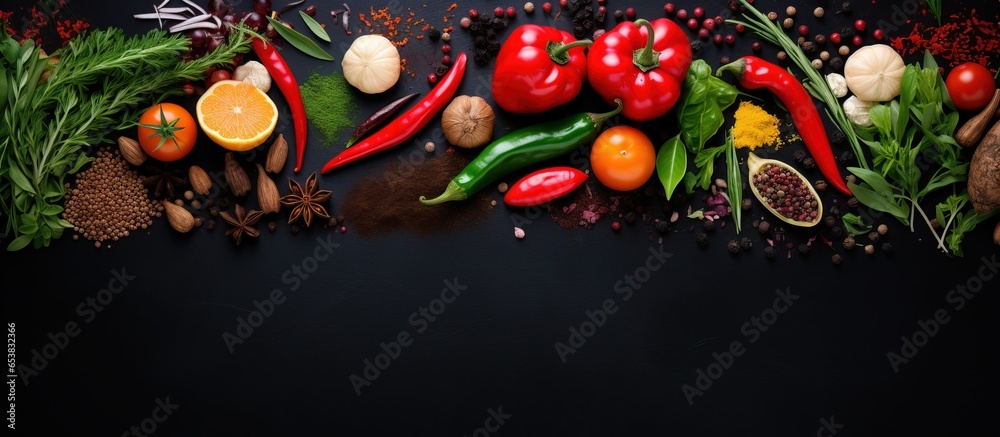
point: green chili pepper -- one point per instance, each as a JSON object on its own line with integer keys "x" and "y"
{"x": 522, "y": 148}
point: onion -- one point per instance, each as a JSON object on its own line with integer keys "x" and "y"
{"x": 218, "y": 7}
{"x": 159, "y": 16}
{"x": 198, "y": 37}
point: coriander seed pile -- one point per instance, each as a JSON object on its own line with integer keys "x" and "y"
{"x": 109, "y": 200}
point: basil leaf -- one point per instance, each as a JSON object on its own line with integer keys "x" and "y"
{"x": 316, "y": 28}
{"x": 875, "y": 180}
{"x": 300, "y": 41}
{"x": 703, "y": 99}
{"x": 671, "y": 164}
{"x": 880, "y": 202}
{"x": 19, "y": 242}
{"x": 855, "y": 225}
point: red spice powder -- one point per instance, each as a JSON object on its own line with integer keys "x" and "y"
{"x": 958, "y": 41}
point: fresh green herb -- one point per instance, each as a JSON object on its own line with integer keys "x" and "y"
{"x": 949, "y": 215}
{"x": 705, "y": 161}
{"x": 935, "y": 7}
{"x": 855, "y": 225}
{"x": 734, "y": 182}
{"x": 703, "y": 99}
{"x": 316, "y": 28}
{"x": 897, "y": 183}
{"x": 101, "y": 83}
{"x": 671, "y": 163}
{"x": 299, "y": 41}
{"x": 815, "y": 83}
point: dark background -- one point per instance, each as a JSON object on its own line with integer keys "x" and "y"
{"x": 493, "y": 347}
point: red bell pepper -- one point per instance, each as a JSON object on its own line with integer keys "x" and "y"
{"x": 643, "y": 63}
{"x": 539, "y": 68}
{"x": 544, "y": 185}
{"x": 285, "y": 80}
{"x": 754, "y": 73}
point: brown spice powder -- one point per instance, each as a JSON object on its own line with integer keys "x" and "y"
{"x": 378, "y": 205}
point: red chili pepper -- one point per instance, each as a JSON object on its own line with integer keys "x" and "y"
{"x": 286, "y": 82}
{"x": 544, "y": 185}
{"x": 539, "y": 68}
{"x": 753, "y": 73}
{"x": 408, "y": 124}
{"x": 643, "y": 64}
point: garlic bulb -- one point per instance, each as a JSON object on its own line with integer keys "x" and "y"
{"x": 874, "y": 73}
{"x": 857, "y": 110}
{"x": 838, "y": 84}
{"x": 371, "y": 64}
{"x": 255, "y": 73}
{"x": 468, "y": 122}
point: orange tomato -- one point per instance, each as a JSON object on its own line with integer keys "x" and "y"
{"x": 623, "y": 158}
{"x": 167, "y": 132}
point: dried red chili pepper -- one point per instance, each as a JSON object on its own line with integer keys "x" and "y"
{"x": 408, "y": 124}
{"x": 753, "y": 73}
{"x": 289, "y": 87}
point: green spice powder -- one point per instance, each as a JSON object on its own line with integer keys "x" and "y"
{"x": 329, "y": 105}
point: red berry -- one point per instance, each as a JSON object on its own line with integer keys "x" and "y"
{"x": 717, "y": 39}
{"x": 432, "y": 78}
{"x": 616, "y": 225}
{"x": 879, "y": 34}
{"x": 682, "y": 14}
{"x": 699, "y": 12}
{"x": 446, "y": 60}
{"x": 602, "y": 9}
{"x": 630, "y": 13}
{"x": 511, "y": 12}
{"x": 718, "y": 20}
{"x": 740, "y": 28}
{"x": 835, "y": 38}
{"x": 857, "y": 40}
{"x": 446, "y": 48}
{"x": 860, "y": 25}
{"x": 692, "y": 23}
{"x": 708, "y": 24}
{"x": 803, "y": 30}
{"x": 669, "y": 8}
{"x": 473, "y": 13}
{"x": 546, "y": 7}
{"x": 703, "y": 33}
{"x": 563, "y": 3}
{"x": 755, "y": 46}
{"x": 730, "y": 39}
{"x": 498, "y": 12}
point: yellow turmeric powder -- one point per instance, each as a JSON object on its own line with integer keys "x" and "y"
{"x": 755, "y": 127}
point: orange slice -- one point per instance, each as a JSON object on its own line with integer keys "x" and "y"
{"x": 236, "y": 115}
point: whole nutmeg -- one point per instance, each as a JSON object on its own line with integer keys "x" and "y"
{"x": 131, "y": 151}
{"x": 200, "y": 182}
{"x": 468, "y": 122}
{"x": 276, "y": 155}
{"x": 178, "y": 217}
{"x": 239, "y": 182}
{"x": 267, "y": 192}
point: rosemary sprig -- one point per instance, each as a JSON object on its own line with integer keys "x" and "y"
{"x": 935, "y": 7}
{"x": 101, "y": 82}
{"x": 815, "y": 83}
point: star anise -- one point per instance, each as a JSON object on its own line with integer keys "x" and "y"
{"x": 243, "y": 224}
{"x": 163, "y": 181}
{"x": 306, "y": 203}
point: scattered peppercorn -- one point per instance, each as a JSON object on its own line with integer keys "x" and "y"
{"x": 708, "y": 225}
{"x": 782, "y": 55}
{"x": 803, "y": 30}
{"x": 878, "y": 34}
{"x": 662, "y": 226}
{"x": 788, "y": 23}
{"x": 886, "y": 247}
{"x": 853, "y": 202}
{"x": 529, "y": 7}
{"x": 857, "y": 41}
{"x": 733, "y": 246}
{"x": 745, "y": 243}
{"x": 432, "y": 78}
{"x": 830, "y": 221}
{"x": 818, "y": 12}
{"x": 755, "y": 46}
{"x": 473, "y": 13}
{"x": 511, "y": 12}
{"x": 724, "y": 60}
{"x": 803, "y": 249}
{"x": 702, "y": 239}
{"x": 669, "y": 8}
{"x": 681, "y": 14}
{"x": 546, "y": 7}
{"x": 616, "y": 225}
{"x": 790, "y": 11}
{"x": 809, "y": 163}
{"x": 849, "y": 242}
{"x": 820, "y": 185}
{"x": 824, "y": 55}
{"x": 817, "y": 63}
{"x": 703, "y": 33}
{"x": 746, "y": 204}
{"x": 820, "y": 39}
{"x": 845, "y": 8}
{"x": 730, "y": 39}
{"x": 883, "y": 229}
{"x": 860, "y": 25}
{"x": 772, "y": 15}
{"x": 311, "y": 10}
{"x": 836, "y": 63}
{"x": 446, "y": 37}
{"x": 808, "y": 47}
{"x": 740, "y": 28}
{"x": 272, "y": 226}
{"x": 699, "y": 11}
{"x": 870, "y": 249}
{"x": 210, "y": 225}
{"x": 619, "y": 15}
{"x": 835, "y": 259}
{"x": 836, "y": 232}
{"x": 769, "y": 252}
{"x": 764, "y": 227}
{"x": 874, "y": 236}
{"x": 630, "y": 13}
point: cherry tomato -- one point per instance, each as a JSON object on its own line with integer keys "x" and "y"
{"x": 216, "y": 76}
{"x": 623, "y": 158}
{"x": 167, "y": 132}
{"x": 970, "y": 86}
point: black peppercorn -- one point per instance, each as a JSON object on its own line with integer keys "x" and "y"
{"x": 434, "y": 34}
{"x": 835, "y": 210}
{"x": 272, "y": 226}
{"x": 769, "y": 252}
{"x": 830, "y": 221}
{"x": 820, "y": 185}
{"x": 836, "y": 232}
{"x": 476, "y": 26}
{"x": 835, "y": 258}
{"x": 745, "y": 243}
{"x": 799, "y": 155}
{"x": 886, "y": 247}
{"x": 482, "y": 57}
{"x": 847, "y": 156}
{"x": 853, "y": 202}
{"x": 763, "y": 227}
{"x": 809, "y": 163}
{"x": 836, "y": 63}
{"x": 295, "y": 229}
{"x": 479, "y": 41}
{"x": 709, "y": 225}
{"x": 874, "y": 236}
{"x": 210, "y": 225}
{"x": 630, "y": 217}
{"x": 702, "y": 239}
{"x": 845, "y": 8}
{"x": 497, "y": 24}
{"x": 808, "y": 47}
{"x": 803, "y": 248}
{"x": 310, "y": 10}
{"x": 662, "y": 226}
{"x": 493, "y": 47}
{"x": 820, "y": 39}
{"x": 619, "y": 15}
{"x": 838, "y": 137}
{"x": 733, "y": 246}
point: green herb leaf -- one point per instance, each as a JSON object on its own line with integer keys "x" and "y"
{"x": 734, "y": 182}
{"x": 855, "y": 225}
{"x": 20, "y": 242}
{"x": 879, "y": 202}
{"x": 964, "y": 224}
{"x": 703, "y": 99}
{"x": 316, "y": 28}
{"x": 705, "y": 161}
{"x": 299, "y": 41}
{"x": 671, "y": 164}
{"x": 20, "y": 180}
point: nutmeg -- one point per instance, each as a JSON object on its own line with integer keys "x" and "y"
{"x": 277, "y": 154}
{"x": 267, "y": 192}
{"x": 200, "y": 182}
{"x": 179, "y": 218}
{"x": 131, "y": 151}
{"x": 236, "y": 177}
